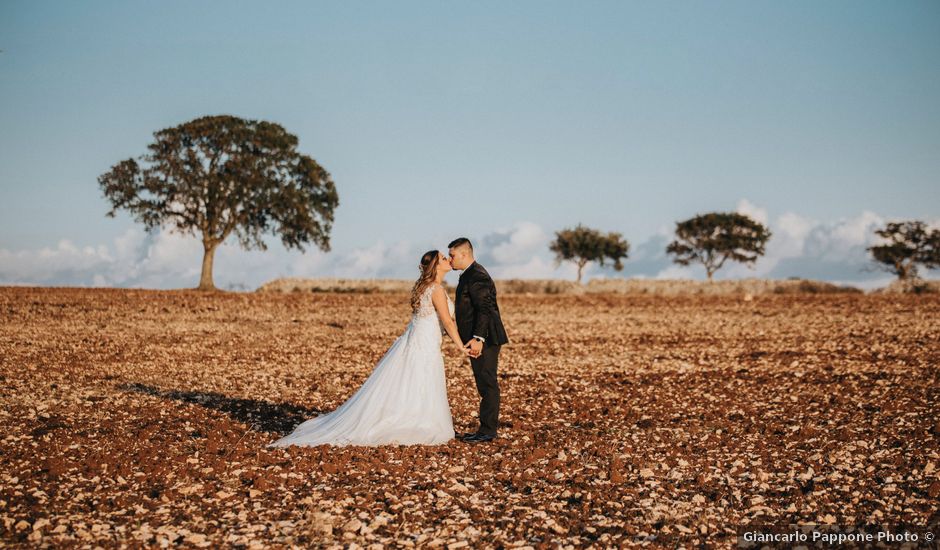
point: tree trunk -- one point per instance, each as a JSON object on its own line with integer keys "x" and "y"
{"x": 906, "y": 270}
{"x": 580, "y": 267}
{"x": 205, "y": 280}
{"x": 710, "y": 273}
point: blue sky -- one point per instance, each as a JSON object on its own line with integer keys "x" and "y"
{"x": 501, "y": 121}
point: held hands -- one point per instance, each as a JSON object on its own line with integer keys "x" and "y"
{"x": 473, "y": 348}
{"x": 465, "y": 349}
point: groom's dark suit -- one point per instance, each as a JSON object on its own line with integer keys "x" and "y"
{"x": 477, "y": 314}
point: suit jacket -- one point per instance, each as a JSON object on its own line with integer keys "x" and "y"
{"x": 475, "y": 309}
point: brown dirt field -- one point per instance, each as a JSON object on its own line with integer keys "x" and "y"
{"x": 140, "y": 417}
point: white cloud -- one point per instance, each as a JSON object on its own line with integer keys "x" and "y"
{"x": 520, "y": 252}
{"x": 799, "y": 246}
{"x": 536, "y": 267}
{"x": 751, "y": 210}
{"x": 377, "y": 261}
{"x": 789, "y": 234}
{"x": 517, "y": 244}
{"x": 811, "y": 249}
{"x": 44, "y": 265}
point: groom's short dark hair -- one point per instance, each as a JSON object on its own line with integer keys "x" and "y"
{"x": 460, "y": 241}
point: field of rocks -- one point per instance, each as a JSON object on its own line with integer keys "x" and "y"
{"x": 139, "y": 418}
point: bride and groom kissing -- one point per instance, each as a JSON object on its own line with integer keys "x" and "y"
{"x": 404, "y": 399}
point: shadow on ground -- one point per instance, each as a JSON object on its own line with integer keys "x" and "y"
{"x": 268, "y": 417}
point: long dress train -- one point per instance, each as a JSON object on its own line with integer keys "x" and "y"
{"x": 403, "y": 401}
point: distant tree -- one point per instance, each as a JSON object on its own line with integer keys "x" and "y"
{"x": 910, "y": 243}
{"x": 583, "y": 245}
{"x": 713, "y": 238}
{"x": 217, "y": 175}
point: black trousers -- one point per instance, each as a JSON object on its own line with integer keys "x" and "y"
{"x": 484, "y": 372}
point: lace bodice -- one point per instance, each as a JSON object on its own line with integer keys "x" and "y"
{"x": 426, "y": 306}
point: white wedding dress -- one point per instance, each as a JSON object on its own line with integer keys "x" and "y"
{"x": 403, "y": 401}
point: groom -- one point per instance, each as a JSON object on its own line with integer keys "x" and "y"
{"x": 480, "y": 326}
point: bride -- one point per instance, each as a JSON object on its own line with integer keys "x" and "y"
{"x": 404, "y": 400}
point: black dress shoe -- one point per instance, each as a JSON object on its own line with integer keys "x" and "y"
{"x": 479, "y": 438}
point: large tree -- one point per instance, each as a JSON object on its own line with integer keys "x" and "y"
{"x": 583, "y": 245}
{"x": 909, "y": 243}
{"x": 713, "y": 238}
{"x": 218, "y": 175}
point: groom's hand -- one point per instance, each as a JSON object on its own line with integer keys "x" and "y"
{"x": 474, "y": 348}
{"x": 466, "y": 349}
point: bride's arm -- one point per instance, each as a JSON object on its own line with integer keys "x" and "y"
{"x": 439, "y": 299}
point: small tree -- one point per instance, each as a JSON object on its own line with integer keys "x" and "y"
{"x": 220, "y": 174}
{"x": 713, "y": 238}
{"x": 583, "y": 245}
{"x": 910, "y": 243}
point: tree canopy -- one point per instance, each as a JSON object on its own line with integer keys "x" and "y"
{"x": 583, "y": 245}
{"x": 909, "y": 244}
{"x": 218, "y": 175}
{"x": 713, "y": 238}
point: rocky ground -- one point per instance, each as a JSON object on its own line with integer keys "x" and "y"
{"x": 140, "y": 417}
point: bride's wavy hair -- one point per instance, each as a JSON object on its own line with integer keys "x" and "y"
{"x": 428, "y": 267}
